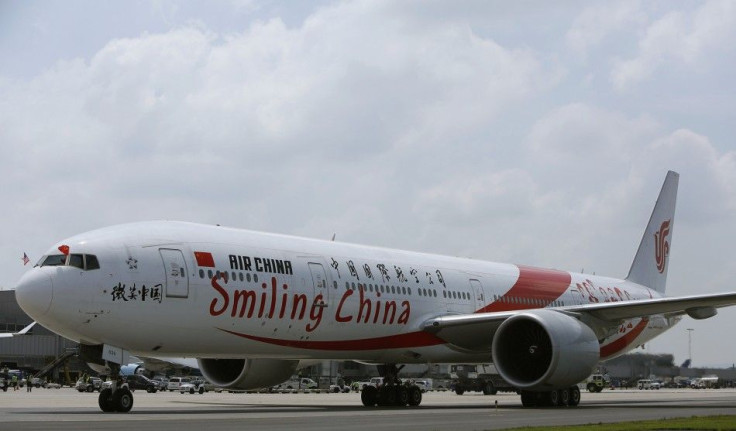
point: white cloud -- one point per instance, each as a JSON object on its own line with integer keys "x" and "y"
{"x": 194, "y": 124}
{"x": 421, "y": 126}
{"x": 600, "y": 20}
{"x": 679, "y": 38}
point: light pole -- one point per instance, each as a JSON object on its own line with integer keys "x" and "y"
{"x": 690, "y": 345}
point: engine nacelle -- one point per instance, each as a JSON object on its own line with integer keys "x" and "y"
{"x": 544, "y": 349}
{"x": 247, "y": 373}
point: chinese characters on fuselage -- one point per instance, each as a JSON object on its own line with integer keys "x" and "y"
{"x": 122, "y": 292}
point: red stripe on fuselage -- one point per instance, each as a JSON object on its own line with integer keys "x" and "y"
{"x": 401, "y": 341}
{"x": 543, "y": 285}
{"x": 623, "y": 342}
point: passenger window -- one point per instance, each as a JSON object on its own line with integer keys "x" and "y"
{"x": 91, "y": 262}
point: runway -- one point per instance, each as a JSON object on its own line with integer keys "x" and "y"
{"x": 67, "y": 409}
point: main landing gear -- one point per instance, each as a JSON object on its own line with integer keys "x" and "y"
{"x": 392, "y": 392}
{"x": 116, "y": 398}
{"x": 558, "y": 398}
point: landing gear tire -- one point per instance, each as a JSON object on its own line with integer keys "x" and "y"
{"x": 369, "y": 396}
{"x": 415, "y": 396}
{"x": 105, "y": 400}
{"x": 201, "y": 390}
{"x": 386, "y": 396}
{"x": 489, "y": 389}
{"x": 122, "y": 399}
{"x": 402, "y": 396}
{"x": 191, "y": 390}
{"x": 528, "y": 399}
{"x": 564, "y": 397}
{"x": 459, "y": 390}
{"x": 574, "y": 396}
{"x": 553, "y": 398}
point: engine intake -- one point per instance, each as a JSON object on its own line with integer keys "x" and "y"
{"x": 544, "y": 349}
{"x": 247, "y": 373}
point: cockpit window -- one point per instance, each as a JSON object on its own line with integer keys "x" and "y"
{"x": 76, "y": 260}
{"x": 54, "y": 260}
{"x": 91, "y": 262}
{"x": 85, "y": 262}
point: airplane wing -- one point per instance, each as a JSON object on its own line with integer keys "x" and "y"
{"x": 466, "y": 330}
{"x": 23, "y": 331}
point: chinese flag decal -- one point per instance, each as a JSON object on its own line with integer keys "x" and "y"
{"x": 204, "y": 258}
{"x": 64, "y": 249}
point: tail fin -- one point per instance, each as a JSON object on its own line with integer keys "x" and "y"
{"x": 650, "y": 264}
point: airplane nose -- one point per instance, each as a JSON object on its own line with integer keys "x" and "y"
{"x": 34, "y": 293}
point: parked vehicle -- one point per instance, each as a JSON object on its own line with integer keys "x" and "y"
{"x": 647, "y": 384}
{"x": 298, "y": 383}
{"x": 137, "y": 381}
{"x": 596, "y": 383}
{"x": 194, "y": 386}
{"x": 175, "y": 382}
{"x": 479, "y": 378}
{"x": 358, "y": 386}
{"x": 161, "y": 383}
{"x": 337, "y": 388}
{"x": 424, "y": 385}
{"x": 705, "y": 382}
{"x": 89, "y": 384}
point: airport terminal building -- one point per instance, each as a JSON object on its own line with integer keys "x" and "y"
{"x": 37, "y": 349}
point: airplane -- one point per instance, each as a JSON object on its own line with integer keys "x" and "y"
{"x": 254, "y": 307}
{"x": 23, "y": 331}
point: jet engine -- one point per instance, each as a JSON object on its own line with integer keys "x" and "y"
{"x": 544, "y": 349}
{"x": 247, "y": 373}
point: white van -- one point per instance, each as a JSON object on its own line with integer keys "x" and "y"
{"x": 176, "y": 382}
{"x": 647, "y": 384}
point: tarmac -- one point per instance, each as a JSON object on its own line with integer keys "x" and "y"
{"x": 67, "y": 409}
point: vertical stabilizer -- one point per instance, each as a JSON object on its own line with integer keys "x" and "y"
{"x": 652, "y": 259}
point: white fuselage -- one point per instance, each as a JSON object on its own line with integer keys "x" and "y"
{"x": 181, "y": 289}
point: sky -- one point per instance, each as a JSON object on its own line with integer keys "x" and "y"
{"x": 530, "y": 132}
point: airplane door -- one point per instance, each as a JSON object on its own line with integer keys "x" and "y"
{"x": 478, "y": 294}
{"x": 177, "y": 278}
{"x": 319, "y": 280}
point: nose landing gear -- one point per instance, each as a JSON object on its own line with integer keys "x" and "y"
{"x": 116, "y": 398}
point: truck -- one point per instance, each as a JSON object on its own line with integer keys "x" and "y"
{"x": 478, "y": 378}
{"x": 705, "y": 382}
{"x": 596, "y": 382}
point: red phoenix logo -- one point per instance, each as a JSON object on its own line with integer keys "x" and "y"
{"x": 661, "y": 245}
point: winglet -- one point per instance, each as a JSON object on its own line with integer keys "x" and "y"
{"x": 652, "y": 258}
